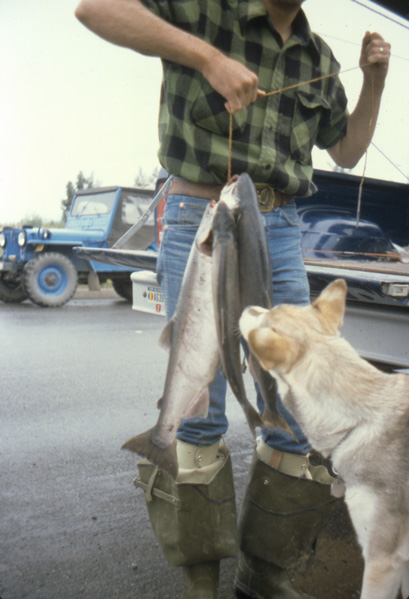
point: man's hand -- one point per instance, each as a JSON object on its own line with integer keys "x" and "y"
{"x": 232, "y": 80}
{"x": 376, "y": 52}
{"x": 130, "y": 24}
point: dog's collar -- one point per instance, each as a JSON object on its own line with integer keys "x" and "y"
{"x": 338, "y": 487}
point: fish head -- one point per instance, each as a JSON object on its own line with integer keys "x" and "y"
{"x": 224, "y": 224}
{"x": 237, "y": 191}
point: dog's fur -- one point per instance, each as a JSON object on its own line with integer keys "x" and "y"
{"x": 352, "y": 412}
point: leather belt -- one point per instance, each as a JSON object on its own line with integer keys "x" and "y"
{"x": 268, "y": 197}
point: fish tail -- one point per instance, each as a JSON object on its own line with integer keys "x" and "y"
{"x": 276, "y": 421}
{"x": 253, "y": 418}
{"x": 165, "y": 458}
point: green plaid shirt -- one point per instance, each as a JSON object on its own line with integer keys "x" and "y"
{"x": 272, "y": 138}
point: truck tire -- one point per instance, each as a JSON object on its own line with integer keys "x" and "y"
{"x": 12, "y": 290}
{"x": 50, "y": 279}
{"x": 123, "y": 287}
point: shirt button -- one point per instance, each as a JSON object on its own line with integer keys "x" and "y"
{"x": 267, "y": 167}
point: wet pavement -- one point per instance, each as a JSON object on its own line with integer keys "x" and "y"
{"x": 77, "y": 382}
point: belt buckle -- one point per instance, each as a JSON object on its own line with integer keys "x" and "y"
{"x": 265, "y": 196}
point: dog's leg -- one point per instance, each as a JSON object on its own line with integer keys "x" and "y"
{"x": 384, "y": 567}
{"x": 382, "y": 579}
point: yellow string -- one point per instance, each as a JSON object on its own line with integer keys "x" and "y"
{"x": 230, "y": 146}
{"x": 361, "y": 184}
{"x": 263, "y": 94}
{"x": 284, "y": 89}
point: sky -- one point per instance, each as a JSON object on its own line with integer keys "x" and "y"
{"x": 72, "y": 102}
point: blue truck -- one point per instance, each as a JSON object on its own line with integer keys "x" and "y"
{"x": 39, "y": 263}
{"x": 366, "y": 246}
{"x": 369, "y": 248}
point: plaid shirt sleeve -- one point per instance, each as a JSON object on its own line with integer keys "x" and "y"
{"x": 272, "y": 138}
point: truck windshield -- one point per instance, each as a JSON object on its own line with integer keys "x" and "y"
{"x": 132, "y": 205}
{"x": 98, "y": 203}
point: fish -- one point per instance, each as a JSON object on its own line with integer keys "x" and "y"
{"x": 227, "y": 306}
{"x": 255, "y": 279}
{"x": 256, "y": 287}
{"x": 194, "y": 357}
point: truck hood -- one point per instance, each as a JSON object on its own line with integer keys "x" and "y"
{"x": 65, "y": 236}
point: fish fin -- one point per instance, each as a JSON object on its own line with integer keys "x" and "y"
{"x": 251, "y": 366}
{"x": 275, "y": 421}
{"x": 159, "y": 403}
{"x": 271, "y": 416}
{"x": 200, "y": 406}
{"x": 165, "y": 339}
{"x": 253, "y": 418}
{"x": 165, "y": 458}
{"x": 222, "y": 371}
{"x": 207, "y": 244}
{"x": 268, "y": 302}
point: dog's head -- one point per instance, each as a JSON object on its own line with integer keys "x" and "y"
{"x": 280, "y": 337}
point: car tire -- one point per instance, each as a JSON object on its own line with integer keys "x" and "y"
{"x": 50, "y": 279}
{"x": 123, "y": 287}
{"x": 12, "y": 290}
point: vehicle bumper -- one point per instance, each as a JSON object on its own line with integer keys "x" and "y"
{"x": 376, "y": 320}
{"x": 7, "y": 266}
{"x": 378, "y": 334}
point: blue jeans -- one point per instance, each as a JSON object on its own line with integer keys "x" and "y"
{"x": 181, "y": 219}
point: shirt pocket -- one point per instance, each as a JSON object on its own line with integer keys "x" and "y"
{"x": 308, "y": 111}
{"x": 209, "y": 112}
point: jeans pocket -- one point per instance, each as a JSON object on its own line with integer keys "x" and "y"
{"x": 289, "y": 215}
{"x": 183, "y": 211}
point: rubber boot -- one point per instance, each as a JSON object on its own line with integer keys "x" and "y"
{"x": 201, "y": 582}
{"x": 194, "y": 517}
{"x": 283, "y": 511}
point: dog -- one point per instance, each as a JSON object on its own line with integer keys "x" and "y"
{"x": 352, "y": 412}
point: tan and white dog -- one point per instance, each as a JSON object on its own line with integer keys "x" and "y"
{"x": 351, "y": 411}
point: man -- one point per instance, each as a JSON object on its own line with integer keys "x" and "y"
{"x": 217, "y": 55}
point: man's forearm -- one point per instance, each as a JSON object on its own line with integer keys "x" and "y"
{"x": 374, "y": 61}
{"x": 130, "y": 24}
{"x": 360, "y": 128}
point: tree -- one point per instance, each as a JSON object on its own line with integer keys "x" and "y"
{"x": 71, "y": 189}
{"x": 35, "y": 220}
{"x": 143, "y": 180}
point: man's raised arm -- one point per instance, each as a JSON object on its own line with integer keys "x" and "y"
{"x": 361, "y": 124}
{"x": 130, "y": 24}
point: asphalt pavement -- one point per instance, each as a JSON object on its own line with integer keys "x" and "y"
{"x": 76, "y": 382}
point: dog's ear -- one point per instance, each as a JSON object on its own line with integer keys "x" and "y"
{"x": 331, "y": 305}
{"x": 270, "y": 349}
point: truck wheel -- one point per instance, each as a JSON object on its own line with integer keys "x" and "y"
{"x": 12, "y": 290}
{"x": 50, "y": 279}
{"x": 123, "y": 287}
